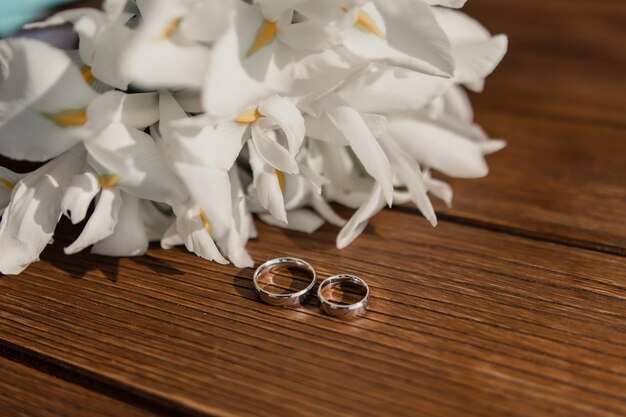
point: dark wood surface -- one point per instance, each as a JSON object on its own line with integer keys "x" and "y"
{"x": 557, "y": 180}
{"x": 461, "y": 317}
{"x": 559, "y": 100}
{"x": 25, "y": 391}
{"x": 514, "y": 305}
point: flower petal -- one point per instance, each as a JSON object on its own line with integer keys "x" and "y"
{"x": 300, "y": 220}
{"x": 348, "y": 184}
{"x": 106, "y": 61}
{"x": 133, "y": 155}
{"x": 133, "y": 110}
{"x": 31, "y": 95}
{"x": 196, "y": 140}
{"x": 193, "y": 233}
{"x": 457, "y": 105}
{"x": 267, "y": 186}
{"x": 78, "y": 196}
{"x": 287, "y": 116}
{"x": 210, "y": 188}
{"x": 310, "y": 35}
{"x": 155, "y": 57}
{"x": 434, "y": 146}
{"x": 129, "y": 237}
{"x": 29, "y": 221}
{"x": 460, "y": 28}
{"x": 326, "y": 211}
{"x": 102, "y": 222}
{"x": 272, "y": 152}
{"x": 273, "y": 9}
{"x": 365, "y": 146}
{"x": 413, "y": 30}
{"x": 358, "y": 221}
{"x": 392, "y": 90}
{"x": 410, "y": 173}
{"x": 8, "y": 180}
{"x": 440, "y": 189}
{"x": 406, "y": 24}
{"x": 242, "y": 226}
{"x": 323, "y": 129}
{"x": 206, "y": 20}
{"x": 475, "y": 62}
{"x": 236, "y": 80}
{"x": 446, "y": 3}
{"x": 155, "y": 219}
{"x": 171, "y": 238}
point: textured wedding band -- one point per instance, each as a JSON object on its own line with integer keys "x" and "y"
{"x": 284, "y": 299}
{"x": 343, "y": 310}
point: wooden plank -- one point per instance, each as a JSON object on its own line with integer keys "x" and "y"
{"x": 554, "y": 99}
{"x": 27, "y": 392}
{"x": 559, "y": 181}
{"x": 462, "y": 322}
{"x": 566, "y": 59}
{"x": 575, "y": 29}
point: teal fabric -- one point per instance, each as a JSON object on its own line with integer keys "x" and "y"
{"x": 15, "y": 13}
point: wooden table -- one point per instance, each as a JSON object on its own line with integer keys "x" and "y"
{"x": 514, "y": 305}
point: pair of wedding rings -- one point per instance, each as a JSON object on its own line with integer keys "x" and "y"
{"x": 324, "y": 291}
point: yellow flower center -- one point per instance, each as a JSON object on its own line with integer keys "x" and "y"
{"x": 169, "y": 30}
{"x": 205, "y": 222}
{"x": 365, "y": 23}
{"x": 87, "y": 74}
{"x": 109, "y": 181}
{"x": 281, "y": 180}
{"x": 265, "y": 35}
{"x": 68, "y": 118}
{"x": 8, "y": 184}
{"x": 249, "y": 116}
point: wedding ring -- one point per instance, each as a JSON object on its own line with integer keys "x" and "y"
{"x": 283, "y": 299}
{"x": 343, "y": 310}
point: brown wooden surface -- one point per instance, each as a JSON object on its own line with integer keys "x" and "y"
{"x": 461, "y": 318}
{"x": 514, "y": 305}
{"x": 559, "y": 100}
{"x": 567, "y": 59}
{"x": 556, "y": 180}
{"x": 23, "y": 390}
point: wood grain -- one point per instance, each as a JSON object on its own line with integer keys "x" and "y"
{"x": 555, "y": 100}
{"x": 462, "y": 322}
{"x": 470, "y": 319}
{"x": 558, "y": 181}
{"x": 566, "y": 60}
{"x": 26, "y": 392}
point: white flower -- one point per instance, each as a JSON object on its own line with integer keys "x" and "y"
{"x": 389, "y": 31}
{"x": 359, "y": 220}
{"x": 130, "y": 236}
{"x": 203, "y": 156}
{"x": 170, "y": 46}
{"x": 303, "y": 208}
{"x": 254, "y": 60}
{"x": 29, "y": 221}
{"x": 193, "y": 229}
{"x": 43, "y": 101}
{"x": 8, "y": 180}
{"x": 475, "y": 52}
{"x": 178, "y": 120}
{"x": 100, "y": 34}
{"x": 341, "y": 124}
{"x": 124, "y": 165}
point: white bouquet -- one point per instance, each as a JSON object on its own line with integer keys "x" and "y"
{"x": 179, "y": 119}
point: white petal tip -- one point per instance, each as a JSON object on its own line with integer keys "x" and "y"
{"x": 69, "y": 250}
{"x": 245, "y": 262}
